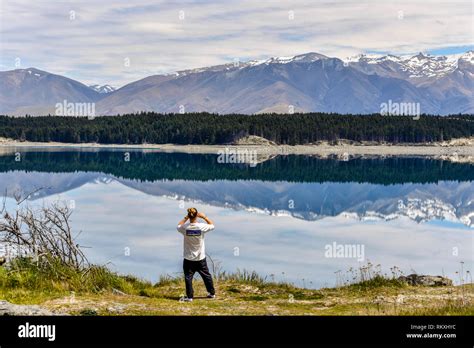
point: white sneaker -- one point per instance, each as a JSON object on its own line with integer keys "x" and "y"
{"x": 187, "y": 299}
{"x": 211, "y": 296}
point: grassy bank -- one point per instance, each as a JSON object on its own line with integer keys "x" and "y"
{"x": 97, "y": 291}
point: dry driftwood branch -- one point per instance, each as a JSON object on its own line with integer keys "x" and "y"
{"x": 44, "y": 233}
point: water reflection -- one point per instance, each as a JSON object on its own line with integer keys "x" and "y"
{"x": 279, "y": 215}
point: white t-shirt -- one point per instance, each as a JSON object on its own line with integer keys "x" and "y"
{"x": 194, "y": 249}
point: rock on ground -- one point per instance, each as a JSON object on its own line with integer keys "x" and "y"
{"x": 426, "y": 280}
{"x": 7, "y": 308}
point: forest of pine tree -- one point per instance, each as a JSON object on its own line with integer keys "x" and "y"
{"x": 205, "y": 128}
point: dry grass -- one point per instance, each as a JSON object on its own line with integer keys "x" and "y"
{"x": 101, "y": 292}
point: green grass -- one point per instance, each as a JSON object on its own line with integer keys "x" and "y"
{"x": 450, "y": 307}
{"x": 255, "y": 298}
{"x": 376, "y": 282}
{"x": 23, "y": 273}
{"x": 91, "y": 291}
{"x": 243, "y": 276}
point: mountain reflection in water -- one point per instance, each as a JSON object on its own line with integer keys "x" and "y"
{"x": 279, "y": 214}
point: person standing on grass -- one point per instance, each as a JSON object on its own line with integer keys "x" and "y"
{"x": 194, "y": 251}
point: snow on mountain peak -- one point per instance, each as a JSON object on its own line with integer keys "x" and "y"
{"x": 102, "y": 89}
{"x": 280, "y": 60}
{"x": 33, "y": 72}
{"x": 364, "y": 57}
{"x": 373, "y": 58}
{"x": 420, "y": 65}
{"x": 468, "y": 57}
{"x": 423, "y": 65}
{"x": 302, "y": 58}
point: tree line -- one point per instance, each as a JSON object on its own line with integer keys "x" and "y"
{"x": 205, "y": 128}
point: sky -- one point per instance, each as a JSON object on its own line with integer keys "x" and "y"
{"x": 120, "y": 41}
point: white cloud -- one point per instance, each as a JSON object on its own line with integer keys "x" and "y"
{"x": 92, "y": 47}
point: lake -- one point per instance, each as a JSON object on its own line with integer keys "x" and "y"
{"x": 302, "y": 219}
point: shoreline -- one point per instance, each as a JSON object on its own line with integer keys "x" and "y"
{"x": 444, "y": 151}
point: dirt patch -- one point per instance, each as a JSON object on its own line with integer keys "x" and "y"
{"x": 253, "y": 140}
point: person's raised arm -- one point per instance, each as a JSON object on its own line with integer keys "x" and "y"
{"x": 182, "y": 222}
{"x": 205, "y": 218}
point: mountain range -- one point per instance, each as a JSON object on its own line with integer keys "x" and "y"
{"x": 309, "y": 82}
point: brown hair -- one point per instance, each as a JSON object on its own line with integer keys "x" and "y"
{"x": 192, "y": 213}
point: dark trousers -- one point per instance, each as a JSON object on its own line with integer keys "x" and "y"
{"x": 191, "y": 267}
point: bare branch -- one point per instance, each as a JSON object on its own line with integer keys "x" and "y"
{"x": 45, "y": 234}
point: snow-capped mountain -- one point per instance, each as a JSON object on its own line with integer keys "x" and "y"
{"x": 302, "y": 58}
{"x": 103, "y": 89}
{"x": 309, "y": 82}
{"x": 237, "y": 65}
{"x": 416, "y": 67}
